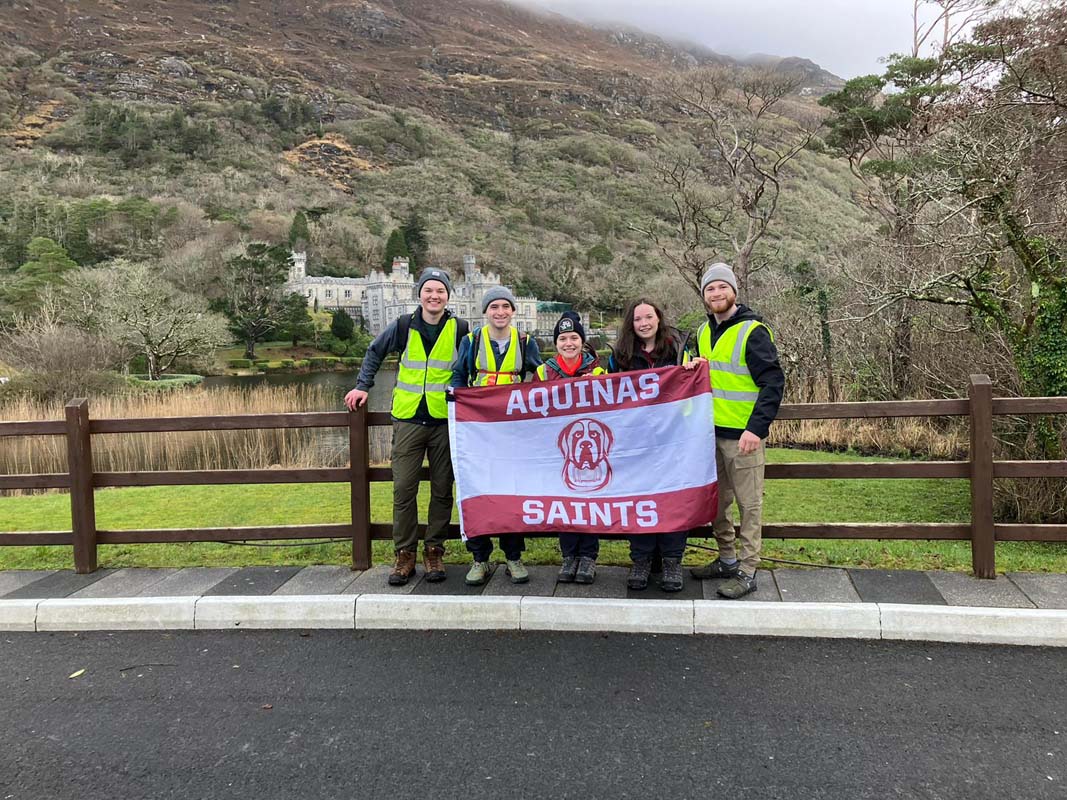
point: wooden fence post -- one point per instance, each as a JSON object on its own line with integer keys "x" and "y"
{"x": 359, "y": 457}
{"x": 80, "y": 467}
{"x": 983, "y": 536}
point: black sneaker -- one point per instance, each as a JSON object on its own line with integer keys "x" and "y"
{"x": 638, "y": 578}
{"x": 586, "y": 570}
{"x": 568, "y": 569}
{"x": 716, "y": 569}
{"x": 672, "y": 575}
{"x": 738, "y": 586}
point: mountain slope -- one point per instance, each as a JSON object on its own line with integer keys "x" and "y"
{"x": 524, "y": 137}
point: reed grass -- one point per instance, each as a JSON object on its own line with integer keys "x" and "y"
{"x": 903, "y": 437}
{"x": 193, "y": 450}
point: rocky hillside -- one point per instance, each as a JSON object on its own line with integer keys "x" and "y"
{"x": 526, "y": 137}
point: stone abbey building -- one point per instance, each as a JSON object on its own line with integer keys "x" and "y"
{"x": 382, "y": 296}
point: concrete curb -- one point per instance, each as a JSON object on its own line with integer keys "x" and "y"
{"x": 1026, "y": 626}
{"x": 116, "y": 614}
{"x": 1011, "y": 626}
{"x": 816, "y": 620}
{"x": 447, "y": 612}
{"x": 600, "y": 614}
{"x": 18, "y": 615}
{"x": 275, "y": 611}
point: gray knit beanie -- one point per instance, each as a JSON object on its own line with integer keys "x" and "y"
{"x": 498, "y": 293}
{"x": 719, "y": 272}
{"x": 434, "y": 274}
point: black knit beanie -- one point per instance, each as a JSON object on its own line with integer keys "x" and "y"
{"x": 570, "y": 322}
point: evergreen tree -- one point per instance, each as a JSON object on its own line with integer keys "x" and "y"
{"x": 253, "y": 293}
{"x": 341, "y": 326}
{"x": 396, "y": 246}
{"x": 299, "y": 235}
{"x": 414, "y": 230}
{"x": 47, "y": 266}
{"x": 295, "y": 323}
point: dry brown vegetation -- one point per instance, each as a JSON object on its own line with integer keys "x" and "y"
{"x": 254, "y": 449}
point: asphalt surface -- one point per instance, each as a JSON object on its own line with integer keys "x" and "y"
{"x": 489, "y": 715}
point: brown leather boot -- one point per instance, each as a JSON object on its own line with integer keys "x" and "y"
{"x": 403, "y": 569}
{"x": 432, "y": 560}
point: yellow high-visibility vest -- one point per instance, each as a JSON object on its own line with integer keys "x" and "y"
{"x": 733, "y": 390}
{"x": 490, "y": 373}
{"x": 420, "y": 374}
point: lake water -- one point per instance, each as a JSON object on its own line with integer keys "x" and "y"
{"x": 330, "y": 443}
{"x": 339, "y": 383}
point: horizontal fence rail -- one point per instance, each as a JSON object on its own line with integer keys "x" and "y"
{"x": 80, "y": 479}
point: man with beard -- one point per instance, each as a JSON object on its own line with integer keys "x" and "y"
{"x": 747, "y": 384}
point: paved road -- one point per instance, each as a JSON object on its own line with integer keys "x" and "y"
{"x": 489, "y": 715}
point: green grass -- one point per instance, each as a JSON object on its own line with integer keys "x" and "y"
{"x": 786, "y": 501}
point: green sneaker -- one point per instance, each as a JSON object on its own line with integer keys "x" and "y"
{"x": 738, "y": 586}
{"x": 477, "y": 574}
{"x": 518, "y": 572}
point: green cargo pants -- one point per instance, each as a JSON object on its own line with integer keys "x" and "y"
{"x": 411, "y": 442}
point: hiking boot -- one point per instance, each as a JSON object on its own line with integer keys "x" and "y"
{"x": 517, "y": 570}
{"x": 586, "y": 570}
{"x": 738, "y": 586}
{"x": 477, "y": 574}
{"x": 432, "y": 561}
{"x": 638, "y": 578}
{"x": 568, "y": 569}
{"x": 657, "y": 563}
{"x": 716, "y": 569}
{"x": 403, "y": 569}
{"x": 672, "y": 575}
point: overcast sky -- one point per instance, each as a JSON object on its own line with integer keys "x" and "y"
{"x": 847, "y": 37}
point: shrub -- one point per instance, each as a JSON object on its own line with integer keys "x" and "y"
{"x": 324, "y": 362}
{"x": 165, "y": 384}
{"x": 287, "y": 363}
{"x": 239, "y": 363}
{"x": 261, "y": 363}
{"x": 338, "y": 348}
{"x": 352, "y": 361}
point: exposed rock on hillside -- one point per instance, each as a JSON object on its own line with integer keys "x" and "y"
{"x": 332, "y": 159}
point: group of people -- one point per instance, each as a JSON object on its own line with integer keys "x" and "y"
{"x": 439, "y": 352}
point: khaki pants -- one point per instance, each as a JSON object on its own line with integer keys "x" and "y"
{"x": 411, "y": 442}
{"x": 740, "y": 479}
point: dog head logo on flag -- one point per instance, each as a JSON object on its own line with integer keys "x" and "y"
{"x": 585, "y": 444}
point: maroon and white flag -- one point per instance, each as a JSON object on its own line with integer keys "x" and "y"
{"x": 627, "y": 453}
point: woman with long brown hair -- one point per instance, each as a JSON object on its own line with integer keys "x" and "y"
{"x": 647, "y": 342}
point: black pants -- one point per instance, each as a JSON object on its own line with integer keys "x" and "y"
{"x": 670, "y": 545}
{"x": 481, "y": 547}
{"x": 578, "y": 545}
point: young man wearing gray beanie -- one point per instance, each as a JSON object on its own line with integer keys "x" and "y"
{"x": 496, "y": 354}
{"x": 747, "y": 384}
{"x": 428, "y": 343}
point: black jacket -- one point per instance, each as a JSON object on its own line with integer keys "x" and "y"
{"x": 642, "y": 361}
{"x": 761, "y": 356}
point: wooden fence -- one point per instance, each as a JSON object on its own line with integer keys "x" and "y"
{"x": 980, "y": 469}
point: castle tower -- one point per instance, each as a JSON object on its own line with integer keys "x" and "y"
{"x": 470, "y": 265}
{"x": 400, "y": 265}
{"x": 298, "y": 269}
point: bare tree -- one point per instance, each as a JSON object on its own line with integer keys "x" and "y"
{"x": 62, "y": 359}
{"x": 147, "y": 315}
{"x": 725, "y": 196}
